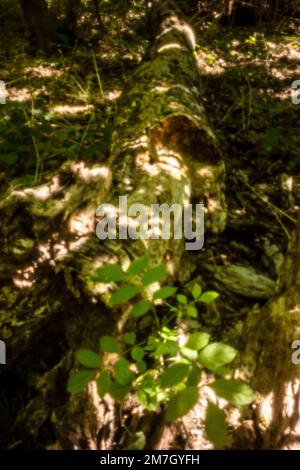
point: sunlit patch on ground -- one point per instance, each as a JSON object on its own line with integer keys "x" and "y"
{"x": 67, "y": 110}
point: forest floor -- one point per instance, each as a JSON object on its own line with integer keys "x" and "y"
{"x": 63, "y": 108}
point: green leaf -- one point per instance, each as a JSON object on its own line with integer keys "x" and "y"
{"x": 194, "y": 377}
{"x": 235, "y": 391}
{"x": 142, "y": 366}
{"x": 174, "y": 375}
{"x": 224, "y": 372}
{"x": 140, "y": 308}
{"x": 154, "y": 275}
{"x": 190, "y": 354}
{"x": 209, "y": 296}
{"x": 9, "y": 158}
{"x": 148, "y": 401}
{"x": 138, "y": 265}
{"x": 78, "y": 381}
{"x": 137, "y": 353}
{"x": 103, "y": 384}
{"x": 109, "y": 344}
{"x": 130, "y": 337}
{"x": 197, "y": 340}
{"x": 191, "y": 311}
{"x": 122, "y": 370}
{"x": 181, "y": 403}
{"x": 272, "y": 138}
{"x": 164, "y": 292}
{"x": 167, "y": 348}
{"x": 109, "y": 273}
{"x": 118, "y": 392}
{"x": 88, "y": 358}
{"x": 215, "y": 426}
{"x": 123, "y": 295}
{"x": 136, "y": 441}
{"x": 196, "y": 292}
{"x": 148, "y": 384}
{"x": 216, "y": 355}
{"x": 182, "y": 299}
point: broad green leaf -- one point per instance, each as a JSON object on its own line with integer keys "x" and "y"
{"x": 215, "y": 426}
{"x": 194, "y": 377}
{"x": 167, "y": 348}
{"x": 164, "y": 292}
{"x": 140, "y": 308}
{"x": 109, "y": 344}
{"x": 9, "y": 158}
{"x": 208, "y": 297}
{"x": 136, "y": 441}
{"x": 216, "y": 355}
{"x": 154, "y": 275}
{"x": 130, "y": 337}
{"x": 138, "y": 265}
{"x": 197, "y": 340}
{"x": 152, "y": 343}
{"x": 168, "y": 333}
{"x": 148, "y": 384}
{"x": 118, "y": 392}
{"x": 137, "y": 353}
{"x": 224, "y": 372}
{"x": 142, "y": 366}
{"x": 174, "y": 375}
{"x": 181, "y": 403}
{"x": 235, "y": 391}
{"x": 103, "y": 384}
{"x": 191, "y": 311}
{"x": 182, "y": 299}
{"x": 88, "y": 358}
{"x": 109, "y": 273}
{"x": 196, "y": 292}
{"x": 190, "y": 354}
{"x": 123, "y": 295}
{"x": 122, "y": 370}
{"x": 149, "y": 402}
{"x": 78, "y": 381}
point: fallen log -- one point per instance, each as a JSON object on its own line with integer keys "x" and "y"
{"x": 163, "y": 151}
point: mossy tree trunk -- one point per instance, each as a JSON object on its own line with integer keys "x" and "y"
{"x": 267, "y": 362}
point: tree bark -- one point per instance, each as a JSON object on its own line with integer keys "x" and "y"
{"x": 72, "y": 12}
{"x": 39, "y": 24}
{"x": 267, "y": 361}
{"x": 98, "y": 14}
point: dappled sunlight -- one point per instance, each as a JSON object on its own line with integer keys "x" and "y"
{"x": 168, "y": 47}
{"x": 182, "y": 28}
{"x": 267, "y": 409}
{"x": 43, "y": 192}
{"x": 69, "y": 110}
{"x": 113, "y": 95}
{"x": 43, "y": 71}
{"x": 89, "y": 173}
{"x": 19, "y": 95}
{"x": 24, "y": 279}
{"x": 171, "y": 165}
{"x": 82, "y": 222}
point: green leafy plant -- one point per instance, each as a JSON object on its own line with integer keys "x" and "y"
{"x": 164, "y": 368}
